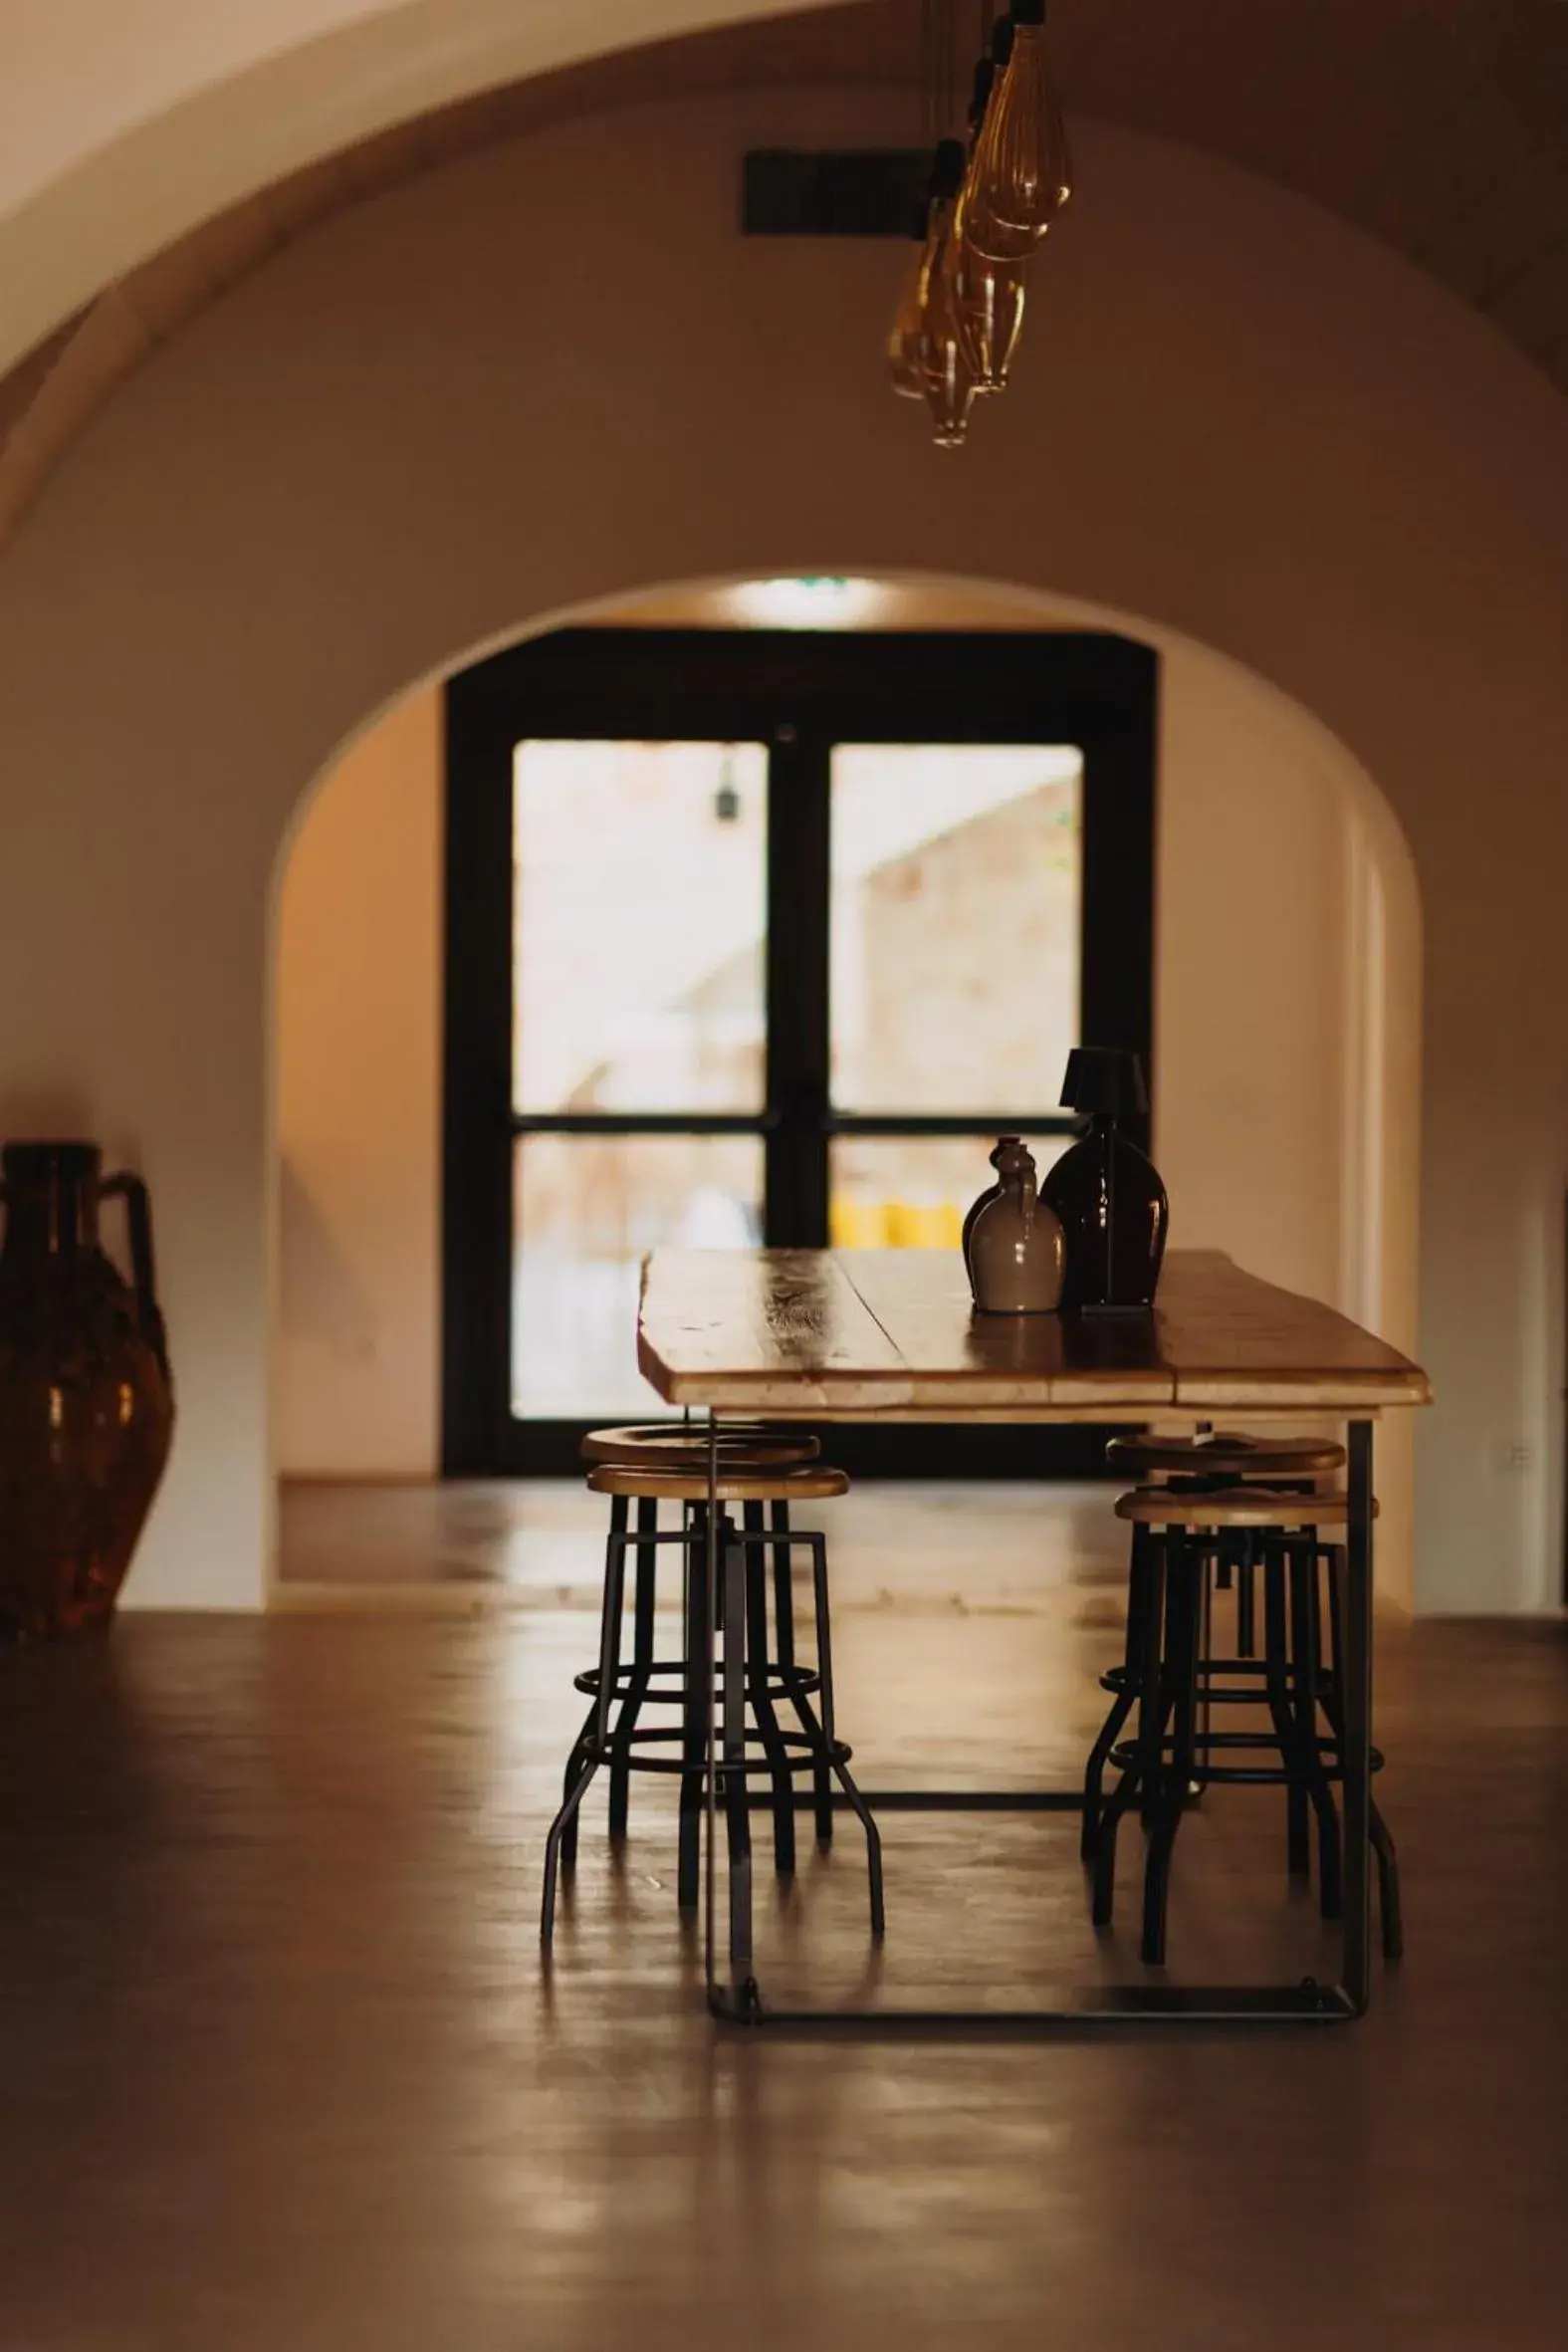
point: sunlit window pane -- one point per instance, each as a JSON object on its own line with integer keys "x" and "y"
{"x": 911, "y": 1192}
{"x": 956, "y": 896}
{"x": 639, "y": 879}
{"x": 588, "y": 1208}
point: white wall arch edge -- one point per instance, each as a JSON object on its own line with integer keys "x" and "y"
{"x": 1308, "y": 1032}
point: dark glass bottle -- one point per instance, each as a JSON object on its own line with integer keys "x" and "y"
{"x": 1106, "y": 1192}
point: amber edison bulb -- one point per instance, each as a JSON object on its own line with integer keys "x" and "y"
{"x": 981, "y": 233}
{"x": 990, "y": 303}
{"x": 905, "y": 362}
{"x": 1020, "y": 173}
{"x": 947, "y": 379}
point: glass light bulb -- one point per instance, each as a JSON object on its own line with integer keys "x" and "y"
{"x": 949, "y": 382}
{"x": 1020, "y": 174}
{"x": 904, "y": 360}
{"x": 990, "y": 302}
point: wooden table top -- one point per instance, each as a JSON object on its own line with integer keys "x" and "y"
{"x": 892, "y": 1333}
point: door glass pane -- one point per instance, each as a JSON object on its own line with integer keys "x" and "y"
{"x": 911, "y": 1192}
{"x": 956, "y": 892}
{"x": 639, "y": 878}
{"x": 586, "y": 1208}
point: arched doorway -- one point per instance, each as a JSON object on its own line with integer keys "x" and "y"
{"x": 1287, "y": 1025}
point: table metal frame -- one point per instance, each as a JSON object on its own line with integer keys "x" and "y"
{"x": 739, "y": 1999}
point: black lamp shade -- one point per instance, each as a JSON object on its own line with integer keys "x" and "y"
{"x": 1105, "y": 1080}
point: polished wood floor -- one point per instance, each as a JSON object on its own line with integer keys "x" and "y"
{"x": 281, "y": 2066}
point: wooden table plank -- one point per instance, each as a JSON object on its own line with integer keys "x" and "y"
{"x": 742, "y": 1327}
{"x": 1237, "y": 1342}
{"x": 958, "y": 1359}
{"x": 892, "y": 1332}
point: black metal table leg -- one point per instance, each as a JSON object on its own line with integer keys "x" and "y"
{"x": 697, "y": 1650}
{"x": 741, "y": 2000}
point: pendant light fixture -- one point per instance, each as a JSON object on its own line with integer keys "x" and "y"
{"x": 1020, "y": 174}
{"x": 903, "y": 344}
{"x": 993, "y": 239}
{"x": 990, "y": 291}
{"x": 991, "y": 200}
{"x": 990, "y": 303}
{"x": 947, "y": 376}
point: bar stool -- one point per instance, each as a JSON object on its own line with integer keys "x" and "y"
{"x": 671, "y": 1446}
{"x": 1178, "y": 1537}
{"x": 1204, "y": 1464}
{"x": 755, "y": 1740}
{"x": 1227, "y": 1458}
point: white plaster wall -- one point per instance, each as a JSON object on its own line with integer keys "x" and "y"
{"x": 125, "y": 123}
{"x": 356, "y": 1347}
{"x": 431, "y": 423}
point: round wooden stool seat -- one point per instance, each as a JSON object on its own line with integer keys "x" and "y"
{"x": 1227, "y": 1455}
{"x": 1231, "y": 1506}
{"x": 675, "y": 1445}
{"x": 737, "y": 1484}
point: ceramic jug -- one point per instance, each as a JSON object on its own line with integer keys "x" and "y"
{"x": 1016, "y": 1249}
{"x": 86, "y": 1403}
{"x": 1003, "y": 1144}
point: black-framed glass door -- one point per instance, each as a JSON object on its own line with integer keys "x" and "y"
{"x": 761, "y": 936}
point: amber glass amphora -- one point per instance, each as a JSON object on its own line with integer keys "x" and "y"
{"x": 87, "y": 1406}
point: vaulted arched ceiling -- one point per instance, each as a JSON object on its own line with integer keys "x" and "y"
{"x": 1440, "y": 126}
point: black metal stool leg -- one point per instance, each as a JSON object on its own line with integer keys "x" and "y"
{"x": 569, "y": 1845}
{"x": 805, "y": 1715}
{"x": 1142, "y": 1776}
{"x": 732, "y": 1750}
{"x": 757, "y": 1684}
{"x": 1126, "y": 1699}
{"x": 783, "y": 1634}
{"x": 641, "y": 1667}
{"x": 1150, "y": 1782}
{"x": 1246, "y": 1599}
{"x": 610, "y": 1668}
{"x": 823, "y": 1736}
{"x": 1276, "y": 1673}
{"x": 697, "y": 1650}
{"x": 783, "y": 1587}
{"x": 1187, "y": 1570}
{"x": 1307, "y": 1648}
{"x": 568, "y": 1781}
